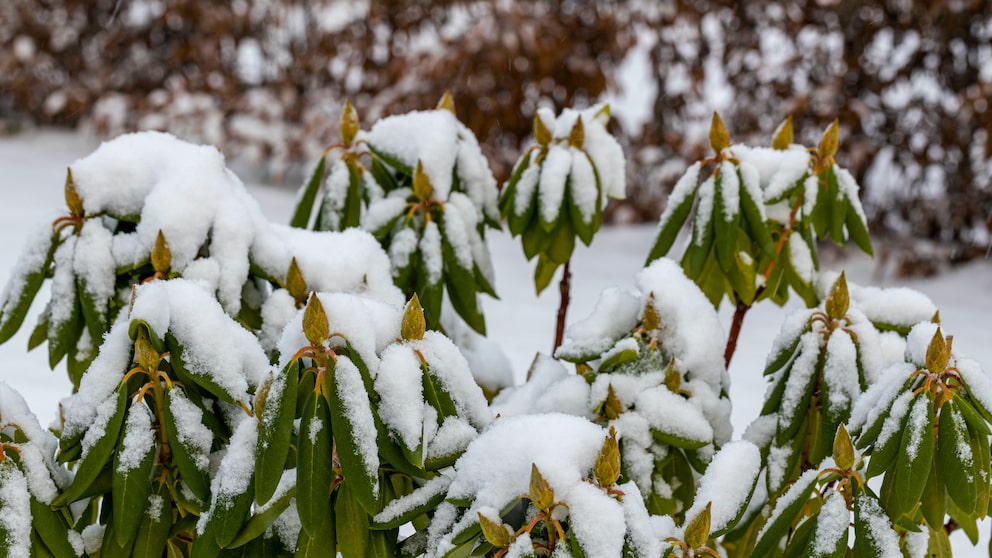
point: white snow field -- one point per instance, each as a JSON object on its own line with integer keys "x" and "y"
{"x": 32, "y": 173}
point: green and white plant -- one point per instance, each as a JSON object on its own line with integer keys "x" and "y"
{"x": 257, "y": 389}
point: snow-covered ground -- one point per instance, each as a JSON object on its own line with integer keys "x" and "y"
{"x": 32, "y": 172}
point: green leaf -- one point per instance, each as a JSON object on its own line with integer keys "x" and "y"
{"x": 110, "y": 548}
{"x": 933, "y": 502}
{"x": 756, "y": 227}
{"x": 63, "y": 336}
{"x": 314, "y": 471}
{"x": 872, "y": 528}
{"x": 857, "y": 229}
{"x": 93, "y": 311}
{"x": 257, "y": 524}
{"x": 307, "y": 196}
{"x": 153, "y": 532}
{"x": 228, "y": 515}
{"x": 424, "y": 507}
{"x": 783, "y": 517}
{"x": 98, "y": 455}
{"x": 363, "y": 484}
{"x": 321, "y": 543}
{"x": 185, "y": 456}
{"x": 351, "y": 523}
{"x": 956, "y": 458}
{"x": 725, "y": 230}
{"x": 971, "y": 416}
{"x": 699, "y": 249}
{"x": 460, "y": 283}
{"x": 915, "y": 452}
{"x": 797, "y": 546}
{"x": 52, "y": 529}
{"x": 668, "y": 230}
{"x": 131, "y": 487}
{"x": 618, "y": 358}
{"x": 275, "y": 432}
{"x": 883, "y": 455}
{"x": 26, "y": 287}
{"x": 205, "y": 381}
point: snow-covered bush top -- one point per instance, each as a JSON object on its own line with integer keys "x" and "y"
{"x": 559, "y": 186}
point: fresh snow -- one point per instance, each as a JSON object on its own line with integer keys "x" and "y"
{"x": 521, "y": 322}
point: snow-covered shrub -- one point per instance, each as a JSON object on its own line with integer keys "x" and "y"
{"x": 652, "y": 361}
{"x": 559, "y": 186}
{"x": 427, "y": 195}
{"x": 262, "y": 390}
{"x": 149, "y": 206}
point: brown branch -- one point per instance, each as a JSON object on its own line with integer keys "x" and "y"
{"x": 564, "y": 288}
{"x": 735, "y": 331}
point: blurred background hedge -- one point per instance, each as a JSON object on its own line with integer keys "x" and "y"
{"x": 910, "y": 81}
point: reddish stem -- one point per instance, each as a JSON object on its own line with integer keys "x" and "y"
{"x": 564, "y": 288}
{"x": 735, "y": 331}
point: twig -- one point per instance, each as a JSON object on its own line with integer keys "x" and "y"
{"x": 564, "y": 288}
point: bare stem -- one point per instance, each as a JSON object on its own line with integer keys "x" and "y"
{"x": 564, "y": 288}
{"x": 735, "y": 331}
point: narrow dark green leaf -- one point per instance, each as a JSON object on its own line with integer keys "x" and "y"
{"x": 307, "y": 196}
{"x": 275, "y": 432}
{"x": 12, "y": 316}
{"x": 915, "y": 452}
{"x": 784, "y": 516}
{"x": 99, "y": 454}
{"x": 956, "y": 458}
{"x": 320, "y": 544}
{"x": 131, "y": 487}
{"x": 460, "y": 283}
{"x": 668, "y": 230}
{"x": 362, "y": 484}
{"x": 52, "y": 529}
{"x": 351, "y": 524}
{"x": 857, "y": 229}
{"x": 257, "y": 524}
{"x": 156, "y": 522}
{"x": 313, "y": 465}
{"x": 188, "y": 458}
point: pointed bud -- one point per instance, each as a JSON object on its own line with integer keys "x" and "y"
{"x": 828, "y": 143}
{"x": 295, "y": 283}
{"x": 938, "y": 353}
{"x": 494, "y": 532}
{"x": 72, "y": 199}
{"x": 446, "y": 102}
{"x": 349, "y": 123}
{"x": 612, "y": 407}
{"x": 144, "y": 352}
{"x": 262, "y": 395}
{"x": 422, "y": 183}
{"x": 651, "y": 319}
{"x": 541, "y": 494}
{"x": 315, "y": 321}
{"x": 719, "y": 136}
{"x": 577, "y": 137}
{"x": 603, "y": 115}
{"x": 839, "y": 299}
{"x": 698, "y": 530}
{"x": 783, "y": 135}
{"x": 414, "y": 324}
{"x": 606, "y": 471}
{"x": 936, "y": 317}
{"x": 843, "y": 449}
{"x": 541, "y": 133}
{"x": 673, "y": 377}
{"x": 161, "y": 254}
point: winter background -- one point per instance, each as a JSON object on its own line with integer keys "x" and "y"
{"x": 912, "y": 92}
{"x": 521, "y": 323}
